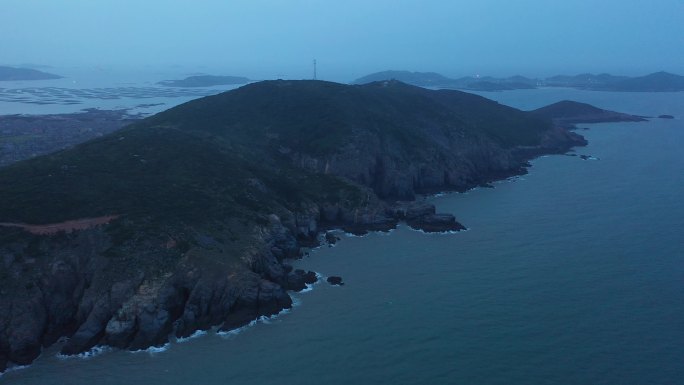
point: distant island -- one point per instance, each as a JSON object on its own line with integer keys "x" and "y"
{"x": 435, "y": 80}
{"x": 420, "y": 79}
{"x": 655, "y": 82}
{"x": 184, "y": 221}
{"x": 567, "y": 113}
{"x": 14, "y": 73}
{"x": 205, "y": 81}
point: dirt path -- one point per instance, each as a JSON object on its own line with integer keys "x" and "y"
{"x": 67, "y": 226}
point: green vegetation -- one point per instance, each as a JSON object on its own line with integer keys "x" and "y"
{"x": 224, "y": 163}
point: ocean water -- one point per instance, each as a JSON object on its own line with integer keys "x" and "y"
{"x": 572, "y": 274}
{"x": 82, "y": 88}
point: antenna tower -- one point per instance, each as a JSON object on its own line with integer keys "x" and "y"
{"x": 314, "y": 63}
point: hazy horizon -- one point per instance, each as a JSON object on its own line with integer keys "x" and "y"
{"x": 270, "y": 39}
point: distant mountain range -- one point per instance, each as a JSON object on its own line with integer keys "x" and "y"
{"x": 205, "y": 81}
{"x": 432, "y": 79}
{"x": 14, "y": 73}
{"x": 655, "y": 82}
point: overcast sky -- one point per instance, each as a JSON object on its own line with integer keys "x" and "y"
{"x": 349, "y": 38}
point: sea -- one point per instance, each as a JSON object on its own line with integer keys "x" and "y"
{"x": 571, "y": 274}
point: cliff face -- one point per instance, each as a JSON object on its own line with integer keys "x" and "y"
{"x": 71, "y": 287}
{"x": 454, "y": 165}
{"x": 205, "y": 202}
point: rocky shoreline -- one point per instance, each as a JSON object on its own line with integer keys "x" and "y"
{"x": 138, "y": 314}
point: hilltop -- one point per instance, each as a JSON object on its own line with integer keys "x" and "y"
{"x": 184, "y": 220}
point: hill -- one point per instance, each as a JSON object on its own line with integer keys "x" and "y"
{"x": 183, "y": 221}
{"x": 13, "y": 73}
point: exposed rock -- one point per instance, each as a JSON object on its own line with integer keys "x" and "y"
{"x": 412, "y": 210}
{"x": 435, "y": 223}
{"x": 335, "y": 280}
{"x": 265, "y": 300}
{"x": 331, "y": 238}
{"x": 297, "y": 280}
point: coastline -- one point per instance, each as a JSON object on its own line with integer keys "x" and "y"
{"x": 239, "y": 321}
{"x": 242, "y": 314}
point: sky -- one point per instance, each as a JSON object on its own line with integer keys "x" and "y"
{"x": 349, "y": 38}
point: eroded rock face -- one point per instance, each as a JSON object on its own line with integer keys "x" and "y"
{"x": 70, "y": 291}
{"x": 75, "y": 291}
{"x": 397, "y": 172}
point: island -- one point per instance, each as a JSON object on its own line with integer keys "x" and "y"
{"x": 14, "y": 73}
{"x": 205, "y": 81}
{"x": 582, "y": 81}
{"x": 186, "y": 220}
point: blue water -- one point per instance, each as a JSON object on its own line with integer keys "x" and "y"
{"x": 572, "y": 274}
{"x": 82, "y": 88}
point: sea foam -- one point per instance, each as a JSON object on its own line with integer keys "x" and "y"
{"x": 14, "y": 369}
{"x": 153, "y": 349}
{"x": 196, "y": 334}
{"x": 93, "y": 352}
